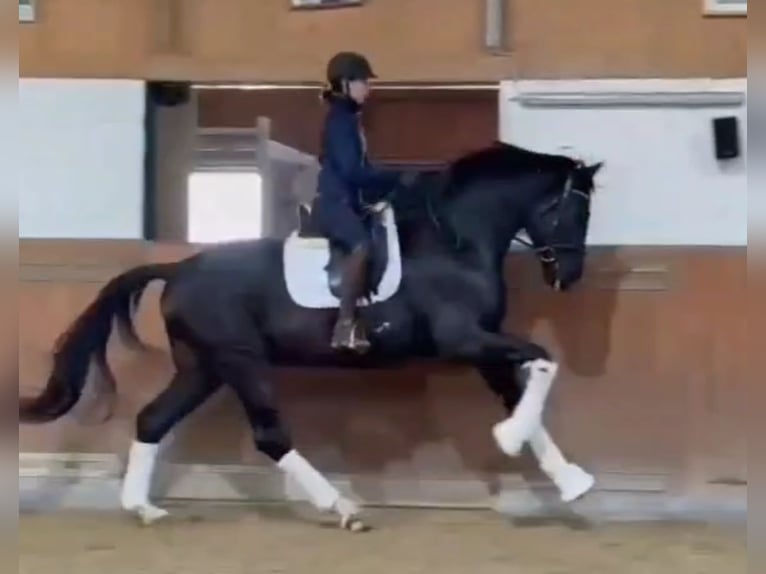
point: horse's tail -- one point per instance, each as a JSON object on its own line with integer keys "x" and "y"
{"x": 85, "y": 341}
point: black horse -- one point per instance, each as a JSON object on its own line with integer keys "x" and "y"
{"x": 229, "y": 316}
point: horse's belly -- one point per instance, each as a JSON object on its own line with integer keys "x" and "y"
{"x": 304, "y": 338}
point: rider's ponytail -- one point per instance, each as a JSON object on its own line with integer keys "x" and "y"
{"x": 333, "y": 89}
{"x": 326, "y": 94}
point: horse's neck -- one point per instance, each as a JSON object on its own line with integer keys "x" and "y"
{"x": 486, "y": 237}
{"x": 423, "y": 236}
{"x": 427, "y": 238}
{"x": 466, "y": 228}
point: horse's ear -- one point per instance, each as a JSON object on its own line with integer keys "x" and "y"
{"x": 595, "y": 168}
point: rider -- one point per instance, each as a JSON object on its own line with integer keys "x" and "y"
{"x": 345, "y": 175}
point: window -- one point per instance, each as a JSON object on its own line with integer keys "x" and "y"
{"x": 725, "y": 7}
{"x": 224, "y": 206}
{"x": 26, "y": 10}
{"x": 224, "y": 190}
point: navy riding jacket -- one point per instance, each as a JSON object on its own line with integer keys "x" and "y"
{"x": 346, "y": 174}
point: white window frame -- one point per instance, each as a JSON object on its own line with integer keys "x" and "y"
{"x": 725, "y": 8}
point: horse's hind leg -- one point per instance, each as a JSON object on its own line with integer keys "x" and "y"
{"x": 188, "y": 389}
{"x": 243, "y": 369}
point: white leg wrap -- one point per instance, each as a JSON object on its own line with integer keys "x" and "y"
{"x": 322, "y": 494}
{"x": 137, "y": 482}
{"x": 547, "y": 453}
{"x": 513, "y": 432}
{"x": 572, "y": 481}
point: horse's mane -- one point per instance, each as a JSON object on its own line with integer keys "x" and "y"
{"x": 501, "y": 160}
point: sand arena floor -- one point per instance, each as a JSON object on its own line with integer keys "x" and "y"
{"x": 264, "y": 540}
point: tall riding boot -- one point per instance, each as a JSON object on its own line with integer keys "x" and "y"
{"x": 348, "y": 332}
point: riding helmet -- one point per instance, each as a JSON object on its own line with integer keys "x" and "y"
{"x": 349, "y": 66}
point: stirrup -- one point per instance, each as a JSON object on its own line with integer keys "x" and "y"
{"x": 348, "y": 338}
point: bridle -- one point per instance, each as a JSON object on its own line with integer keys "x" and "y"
{"x": 548, "y": 253}
{"x": 557, "y": 204}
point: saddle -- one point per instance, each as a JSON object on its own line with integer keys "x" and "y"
{"x": 379, "y": 257}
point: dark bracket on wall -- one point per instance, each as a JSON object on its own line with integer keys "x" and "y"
{"x": 167, "y": 17}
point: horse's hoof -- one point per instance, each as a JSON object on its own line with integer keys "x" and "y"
{"x": 148, "y": 514}
{"x": 510, "y": 436}
{"x": 574, "y": 483}
{"x": 353, "y": 524}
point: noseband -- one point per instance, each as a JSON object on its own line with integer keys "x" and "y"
{"x": 548, "y": 253}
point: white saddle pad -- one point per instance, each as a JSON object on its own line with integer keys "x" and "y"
{"x": 306, "y": 278}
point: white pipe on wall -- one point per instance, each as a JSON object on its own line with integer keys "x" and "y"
{"x": 494, "y": 25}
{"x": 632, "y": 99}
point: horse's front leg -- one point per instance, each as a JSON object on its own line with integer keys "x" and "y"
{"x": 484, "y": 348}
{"x": 571, "y": 480}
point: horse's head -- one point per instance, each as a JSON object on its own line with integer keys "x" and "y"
{"x": 558, "y": 225}
{"x": 484, "y": 198}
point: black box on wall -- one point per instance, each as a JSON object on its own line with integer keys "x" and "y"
{"x": 726, "y": 134}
